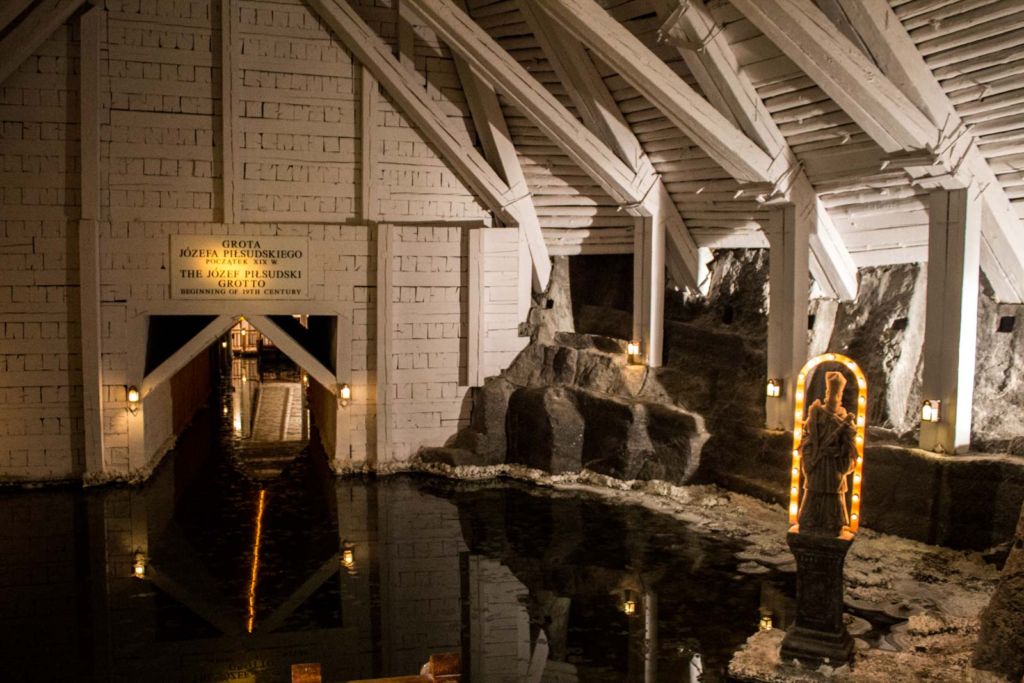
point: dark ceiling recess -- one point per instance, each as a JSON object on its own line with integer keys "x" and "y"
{"x": 168, "y": 333}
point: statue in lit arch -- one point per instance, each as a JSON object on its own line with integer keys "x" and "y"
{"x": 828, "y": 455}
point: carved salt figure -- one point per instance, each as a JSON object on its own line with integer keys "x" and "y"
{"x": 828, "y": 456}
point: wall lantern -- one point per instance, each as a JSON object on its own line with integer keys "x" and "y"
{"x": 629, "y": 608}
{"x": 930, "y": 411}
{"x": 223, "y": 345}
{"x": 139, "y": 564}
{"x": 633, "y": 351}
{"x": 305, "y": 380}
{"x": 348, "y": 558}
{"x": 774, "y": 389}
{"x": 344, "y": 395}
{"x": 133, "y": 400}
{"x": 766, "y": 621}
{"x": 225, "y": 410}
{"x": 862, "y": 402}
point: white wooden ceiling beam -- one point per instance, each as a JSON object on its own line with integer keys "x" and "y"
{"x": 888, "y": 106}
{"x": 1002, "y": 246}
{"x": 636, "y": 191}
{"x": 29, "y": 34}
{"x": 412, "y": 97}
{"x": 655, "y": 80}
{"x": 718, "y": 71}
{"x": 599, "y": 110}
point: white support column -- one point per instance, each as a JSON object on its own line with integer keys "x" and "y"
{"x": 951, "y": 324}
{"x": 368, "y": 148}
{"x": 231, "y": 198}
{"x": 789, "y": 280}
{"x": 649, "y": 288}
{"x": 384, "y": 341}
{"x": 89, "y": 240}
{"x": 343, "y": 375}
{"x": 475, "y": 322}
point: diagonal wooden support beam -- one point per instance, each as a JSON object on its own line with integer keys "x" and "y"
{"x": 30, "y": 33}
{"x": 901, "y": 106}
{"x": 496, "y": 142}
{"x": 294, "y": 350}
{"x": 595, "y": 103}
{"x": 655, "y": 80}
{"x": 1002, "y": 234}
{"x": 719, "y": 74}
{"x": 11, "y": 10}
{"x": 180, "y": 358}
{"x": 373, "y": 53}
{"x": 636, "y": 191}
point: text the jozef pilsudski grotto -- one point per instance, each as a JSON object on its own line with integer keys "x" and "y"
{"x": 217, "y": 267}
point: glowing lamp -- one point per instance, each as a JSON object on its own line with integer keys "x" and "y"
{"x": 243, "y": 333}
{"x": 766, "y": 622}
{"x": 348, "y": 558}
{"x": 344, "y": 395}
{"x": 930, "y": 411}
{"x": 223, "y": 345}
{"x": 632, "y": 348}
{"x": 225, "y": 410}
{"x": 139, "y": 564}
{"x": 774, "y": 389}
{"x": 133, "y": 400}
{"x": 305, "y": 380}
{"x": 244, "y": 378}
{"x": 629, "y": 607}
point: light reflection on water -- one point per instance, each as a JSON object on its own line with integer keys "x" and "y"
{"x": 246, "y": 576}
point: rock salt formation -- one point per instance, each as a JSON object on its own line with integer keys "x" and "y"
{"x": 1001, "y": 644}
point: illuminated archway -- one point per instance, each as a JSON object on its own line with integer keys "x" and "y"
{"x": 862, "y": 402}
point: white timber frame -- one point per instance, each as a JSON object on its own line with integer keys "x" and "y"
{"x": 30, "y": 33}
{"x": 589, "y": 93}
{"x": 720, "y": 75}
{"x": 951, "y": 324}
{"x": 230, "y": 168}
{"x": 183, "y": 356}
{"x": 291, "y": 348}
{"x": 789, "y": 253}
{"x": 92, "y": 26}
{"x": 385, "y": 337}
{"x": 902, "y": 107}
{"x": 10, "y": 10}
{"x": 401, "y": 83}
{"x": 492, "y": 130}
{"x": 634, "y": 191}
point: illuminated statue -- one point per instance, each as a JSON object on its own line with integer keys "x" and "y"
{"x": 828, "y": 455}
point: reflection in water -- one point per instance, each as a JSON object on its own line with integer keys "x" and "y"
{"x": 247, "y": 575}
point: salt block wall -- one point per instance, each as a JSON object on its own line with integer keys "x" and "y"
{"x": 297, "y": 149}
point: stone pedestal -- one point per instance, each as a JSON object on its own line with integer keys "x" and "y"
{"x": 819, "y": 636}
